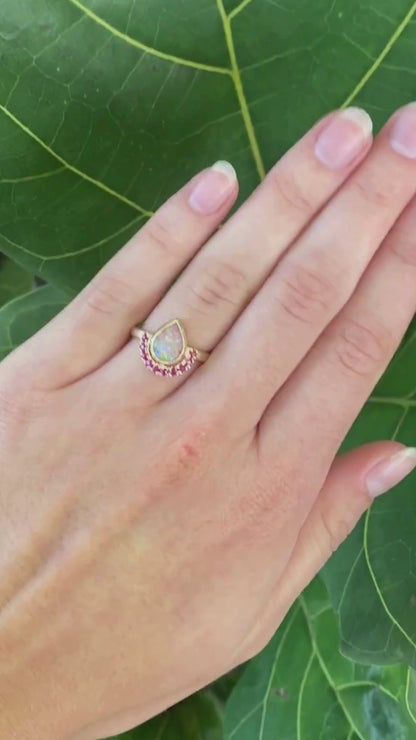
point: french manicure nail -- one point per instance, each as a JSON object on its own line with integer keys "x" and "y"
{"x": 390, "y": 471}
{"x": 344, "y": 138}
{"x": 403, "y": 132}
{"x": 213, "y": 188}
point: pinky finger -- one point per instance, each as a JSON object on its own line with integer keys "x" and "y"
{"x": 353, "y": 482}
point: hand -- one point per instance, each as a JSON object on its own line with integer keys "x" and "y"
{"x": 154, "y": 531}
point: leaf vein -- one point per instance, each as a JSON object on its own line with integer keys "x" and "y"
{"x": 239, "y": 8}
{"x": 373, "y": 576}
{"x": 31, "y": 178}
{"x": 71, "y": 167}
{"x": 272, "y": 672}
{"x": 394, "y": 400}
{"x": 325, "y": 670}
{"x": 76, "y": 252}
{"x": 370, "y": 685}
{"x": 384, "y": 52}
{"x": 348, "y": 579}
{"x": 371, "y": 571}
{"x": 244, "y": 719}
{"x": 144, "y": 47}
{"x": 300, "y": 696}
{"x": 408, "y": 707}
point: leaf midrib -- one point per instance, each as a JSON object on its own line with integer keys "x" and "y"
{"x": 239, "y": 89}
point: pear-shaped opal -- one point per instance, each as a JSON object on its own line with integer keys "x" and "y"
{"x": 168, "y": 344}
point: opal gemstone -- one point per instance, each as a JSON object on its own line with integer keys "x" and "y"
{"x": 168, "y": 344}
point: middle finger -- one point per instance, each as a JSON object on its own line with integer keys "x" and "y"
{"x": 213, "y": 290}
{"x": 315, "y": 278}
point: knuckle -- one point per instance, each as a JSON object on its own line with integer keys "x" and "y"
{"x": 403, "y": 246}
{"x": 162, "y": 236}
{"x": 330, "y": 532}
{"x": 219, "y": 282}
{"x": 290, "y": 192}
{"x": 306, "y": 294}
{"x": 107, "y": 293}
{"x": 268, "y": 501}
{"x": 370, "y": 191}
{"x": 10, "y": 404}
{"x": 19, "y": 404}
{"x": 360, "y": 349}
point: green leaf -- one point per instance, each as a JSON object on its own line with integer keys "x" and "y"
{"x": 411, "y": 693}
{"x": 223, "y": 687}
{"x": 13, "y": 280}
{"x": 107, "y": 107}
{"x": 301, "y": 688}
{"x": 23, "y": 316}
{"x": 196, "y": 718}
{"x": 372, "y": 578}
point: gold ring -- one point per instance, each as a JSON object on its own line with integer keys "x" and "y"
{"x": 166, "y": 351}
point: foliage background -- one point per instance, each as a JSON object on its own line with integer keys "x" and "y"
{"x": 105, "y": 109}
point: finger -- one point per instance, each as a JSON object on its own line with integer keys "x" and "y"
{"x": 97, "y": 323}
{"x": 217, "y": 284}
{"x": 353, "y": 482}
{"x": 316, "y": 277}
{"x": 325, "y": 394}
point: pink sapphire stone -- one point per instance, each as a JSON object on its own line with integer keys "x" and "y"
{"x": 167, "y": 344}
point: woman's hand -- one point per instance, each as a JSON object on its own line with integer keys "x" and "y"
{"x": 154, "y": 531}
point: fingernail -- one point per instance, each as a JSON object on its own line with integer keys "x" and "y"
{"x": 403, "y": 132}
{"x": 390, "y": 471}
{"x": 213, "y": 188}
{"x": 344, "y": 138}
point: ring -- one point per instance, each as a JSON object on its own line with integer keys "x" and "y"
{"x": 166, "y": 351}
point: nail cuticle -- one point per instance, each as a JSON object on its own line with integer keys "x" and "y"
{"x": 403, "y": 132}
{"x": 213, "y": 188}
{"x": 345, "y": 136}
{"x": 390, "y": 471}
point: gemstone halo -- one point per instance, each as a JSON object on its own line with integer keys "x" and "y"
{"x": 166, "y": 352}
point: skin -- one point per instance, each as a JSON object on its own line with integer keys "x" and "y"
{"x": 154, "y": 532}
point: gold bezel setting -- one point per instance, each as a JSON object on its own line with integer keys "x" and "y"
{"x": 182, "y": 363}
{"x": 160, "y": 331}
